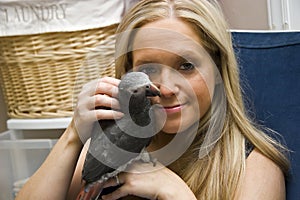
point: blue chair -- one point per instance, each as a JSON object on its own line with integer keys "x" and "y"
{"x": 270, "y": 70}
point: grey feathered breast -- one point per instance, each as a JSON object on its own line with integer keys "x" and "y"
{"x": 115, "y": 143}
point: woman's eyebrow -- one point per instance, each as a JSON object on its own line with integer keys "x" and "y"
{"x": 142, "y": 62}
{"x": 188, "y": 52}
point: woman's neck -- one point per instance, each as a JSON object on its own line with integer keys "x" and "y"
{"x": 159, "y": 141}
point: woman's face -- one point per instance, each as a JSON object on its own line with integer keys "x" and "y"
{"x": 170, "y": 52}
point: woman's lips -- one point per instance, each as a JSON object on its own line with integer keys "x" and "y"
{"x": 173, "y": 109}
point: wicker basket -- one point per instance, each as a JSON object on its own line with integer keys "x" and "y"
{"x": 38, "y": 73}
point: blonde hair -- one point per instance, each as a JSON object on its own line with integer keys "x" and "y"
{"x": 217, "y": 175}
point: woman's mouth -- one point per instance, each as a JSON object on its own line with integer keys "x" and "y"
{"x": 173, "y": 109}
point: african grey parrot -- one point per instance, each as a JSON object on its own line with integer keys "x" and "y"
{"x": 114, "y": 144}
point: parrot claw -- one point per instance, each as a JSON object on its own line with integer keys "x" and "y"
{"x": 153, "y": 160}
{"x": 90, "y": 191}
{"x": 146, "y": 157}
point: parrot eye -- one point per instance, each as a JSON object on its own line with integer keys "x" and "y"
{"x": 147, "y": 86}
{"x": 135, "y": 91}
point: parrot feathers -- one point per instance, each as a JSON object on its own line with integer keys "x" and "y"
{"x": 116, "y": 143}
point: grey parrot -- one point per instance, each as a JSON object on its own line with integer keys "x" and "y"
{"x": 116, "y": 143}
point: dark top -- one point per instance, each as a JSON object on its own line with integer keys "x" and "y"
{"x": 248, "y": 147}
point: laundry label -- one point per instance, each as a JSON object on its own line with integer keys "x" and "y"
{"x": 40, "y": 16}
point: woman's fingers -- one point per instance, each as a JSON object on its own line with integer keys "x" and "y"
{"x": 107, "y": 114}
{"x": 150, "y": 182}
{"x": 99, "y": 100}
{"x": 96, "y": 95}
{"x": 108, "y": 88}
{"x": 107, "y": 85}
{"x": 121, "y": 191}
{"x": 95, "y": 115}
{"x": 102, "y": 100}
{"x": 117, "y": 194}
{"x": 137, "y": 184}
{"x": 130, "y": 185}
{"x": 114, "y": 181}
{"x": 96, "y": 101}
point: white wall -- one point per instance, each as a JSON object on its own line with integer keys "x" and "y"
{"x": 246, "y": 14}
{"x": 262, "y": 14}
{"x": 294, "y": 14}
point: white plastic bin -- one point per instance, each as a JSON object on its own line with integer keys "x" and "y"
{"x": 19, "y": 159}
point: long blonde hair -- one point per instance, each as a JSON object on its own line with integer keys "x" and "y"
{"x": 217, "y": 175}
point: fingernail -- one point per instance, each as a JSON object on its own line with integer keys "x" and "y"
{"x": 119, "y": 115}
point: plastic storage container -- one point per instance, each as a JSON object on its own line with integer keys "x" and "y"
{"x": 19, "y": 159}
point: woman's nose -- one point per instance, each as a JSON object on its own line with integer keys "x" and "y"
{"x": 167, "y": 84}
{"x": 165, "y": 90}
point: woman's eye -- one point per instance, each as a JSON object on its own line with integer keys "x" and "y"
{"x": 148, "y": 69}
{"x": 187, "y": 66}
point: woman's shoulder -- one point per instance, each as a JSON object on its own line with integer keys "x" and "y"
{"x": 263, "y": 179}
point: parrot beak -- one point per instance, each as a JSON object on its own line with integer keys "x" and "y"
{"x": 152, "y": 91}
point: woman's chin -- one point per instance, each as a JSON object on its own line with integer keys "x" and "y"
{"x": 171, "y": 129}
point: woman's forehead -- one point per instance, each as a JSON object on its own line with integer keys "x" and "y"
{"x": 151, "y": 39}
{"x": 166, "y": 32}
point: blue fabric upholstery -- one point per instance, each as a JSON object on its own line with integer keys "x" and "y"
{"x": 270, "y": 65}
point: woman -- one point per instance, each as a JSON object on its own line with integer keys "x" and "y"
{"x": 185, "y": 48}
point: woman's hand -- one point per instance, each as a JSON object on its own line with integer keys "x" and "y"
{"x": 58, "y": 168}
{"x": 151, "y": 182}
{"x": 92, "y": 99}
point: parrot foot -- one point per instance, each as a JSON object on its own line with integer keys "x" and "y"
{"x": 153, "y": 160}
{"x": 146, "y": 157}
{"x": 90, "y": 191}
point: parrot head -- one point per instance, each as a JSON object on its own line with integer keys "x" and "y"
{"x": 137, "y": 84}
{"x": 135, "y": 89}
